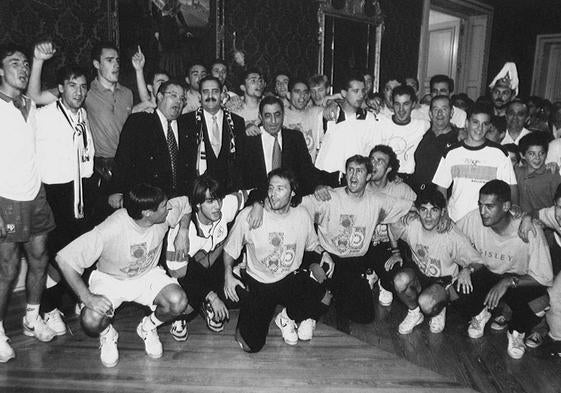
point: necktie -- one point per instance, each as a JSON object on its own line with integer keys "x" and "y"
{"x": 276, "y": 161}
{"x": 216, "y": 140}
{"x": 173, "y": 151}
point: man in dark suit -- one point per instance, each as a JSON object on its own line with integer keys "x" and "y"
{"x": 155, "y": 148}
{"x": 215, "y": 131}
{"x": 276, "y": 147}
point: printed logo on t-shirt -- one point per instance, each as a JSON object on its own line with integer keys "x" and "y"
{"x": 429, "y": 266}
{"x": 282, "y": 257}
{"x": 400, "y": 146}
{"x": 350, "y": 239}
{"x": 472, "y": 169}
{"x": 380, "y": 234}
{"x": 142, "y": 259}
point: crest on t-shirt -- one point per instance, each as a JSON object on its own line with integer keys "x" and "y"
{"x": 141, "y": 259}
{"x": 429, "y": 266}
{"x": 282, "y": 256}
{"x": 350, "y": 238}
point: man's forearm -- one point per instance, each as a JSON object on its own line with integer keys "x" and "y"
{"x": 74, "y": 280}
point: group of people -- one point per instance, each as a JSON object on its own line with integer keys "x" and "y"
{"x": 204, "y": 197}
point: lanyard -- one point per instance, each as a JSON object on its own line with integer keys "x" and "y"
{"x": 79, "y": 127}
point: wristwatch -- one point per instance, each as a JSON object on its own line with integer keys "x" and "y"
{"x": 514, "y": 281}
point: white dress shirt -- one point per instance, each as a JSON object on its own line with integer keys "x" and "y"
{"x": 267, "y": 140}
{"x": 208, "y": 120}
{"x": 164, "y": 122}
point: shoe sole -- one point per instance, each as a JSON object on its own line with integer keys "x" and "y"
{"x": 476, "y": 336}
{"x": 30, "y": 333}
{"x": 498, "y": 328}
{"x": 151, "y": 355}
{"x": 436, "y": 331}
{"x": 410, "y": 330}
{"x": 110, "y": 365}
{"x": 277, "y": 322}
{"x": 515, "y": 356}
{"x": 179, "y": 338}
{"x": 385, "y": 304}
{"x": 533, "y": 345}
{"x": 5, "y": 360}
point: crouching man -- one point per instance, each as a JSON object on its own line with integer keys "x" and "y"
{"x": 275, "y": 253}
{"x": 439, "y": 260}
{"x": 127, "y": 247}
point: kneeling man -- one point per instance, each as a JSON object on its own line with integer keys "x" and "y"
{"x": 127, "y": 247}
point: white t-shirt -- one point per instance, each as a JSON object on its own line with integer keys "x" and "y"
{"x": 469, "y": 168}
{"x": 346, "y": 224}
{"x": 554, "y": 152}
{"x": 458, "y": 116}
{"x": 310, "y": 123}
{"x": 437, "y": 254}
{"x": 507, "y": 253}
{"x": 121, "y": 247}
{"x": 19, "y": 174}
{"x": 345, "y": 139}
{"x": 547, "y": 216}
{"x": 276, "y": 248}
{"x": 249, "y": 115}
{"x": 404, "y": 139}
{"x": 56, "y": 150}
{"x": 205, "y": 240}
{"x": 508, "y": 138}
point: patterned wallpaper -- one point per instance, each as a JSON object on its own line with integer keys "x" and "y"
{"x": 74, "y": 25}
{"x": 275, "y": 35}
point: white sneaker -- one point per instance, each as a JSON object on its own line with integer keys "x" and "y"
{"x": 412, "y": 319}
{"x": 179, "y": 330}
{"x": 384, "y": 297}
{"x": 287, "y": 327}
{"x": 39, "y": 330}
{"x": 6, "y": 351}
{"x": 437, "y": 323}
{"x": 516, "y": 347}
{"x": 152, "y": 344}
{"x": 306, "y": 329}
{"x": 54, "y": 320}
{"x": 109, "y": 354}
{"x": 477, "y": 324}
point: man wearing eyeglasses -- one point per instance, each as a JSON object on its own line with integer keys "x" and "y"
{"x": 154, "y": 148}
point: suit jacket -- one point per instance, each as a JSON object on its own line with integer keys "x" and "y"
{"x": 143, "y": 156}
{"x": 223, "y": 168}
{"x": 294, "y": 156}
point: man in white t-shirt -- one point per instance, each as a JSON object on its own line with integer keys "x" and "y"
{"x": 275, "y": 254}
{"x": 346, "y": 224}
{"x": 202, "y": 278}
{"x": 248, "y": 105}
{"x": 127, "y": 247}
{"x": 471, "y": 163}
{"x": 402, "y": 133}
{"x": 439, "y": 261}
{"x": 299, "y": 116}
{"x": 514, "y": 271}
{"x": 25, "y": 216}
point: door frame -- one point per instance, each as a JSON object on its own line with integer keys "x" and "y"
{"x": 542, "y": 40}
{"x": 463, "y": 9}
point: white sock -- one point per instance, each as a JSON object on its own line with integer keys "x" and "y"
{"x": 151, "y": 322}
{"x": 2, "y": 331}
{"x": 106, "y": 330}
{"x": 415, "y": 310}
{"x": 31, "y": 313}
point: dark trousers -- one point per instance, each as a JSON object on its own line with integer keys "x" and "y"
{"x": 97, "y": 188}
{"x": 300, "y": 294}
{"x": 61, "y": 199}
{"x": 523, "y": 318}
{"x": 379, "y": 254}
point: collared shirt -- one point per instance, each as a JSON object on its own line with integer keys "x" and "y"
{"x": 208, "y": 120}
{"x": 108, "y": 110}
{"x": 25, "y": 101}
{"x": 508, "y": 138}
{"x": 536, "y": 189}
{"x": 267, "y": 140}
{"x": 164, "y": 122}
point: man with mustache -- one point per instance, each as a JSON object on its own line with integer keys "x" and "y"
{"x": 25, "y": 216}
{"x": 215, "y": 130}
{"x": 154, "y": 148}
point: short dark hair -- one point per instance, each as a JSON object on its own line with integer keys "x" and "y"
{"x": 517, "y": 101}
{"x": 292, "y": 83}
{"x": 270, "y": 100}
{"x": 498, "y": 188}
{"x": 100, "y": 46}
{"x": 164, "y": 86}
{"x": 192, "y": 64}
{"x": 440, "y": 97}
{"x": 9, "y": 49}
{"x": 152, "y": 75}
{"x": 210, "y": 78}
{"x": 200, "y": 187}
{"x": 351, "y": 77}
{"x": 288, "y": 174}
{"x": 281, "y": 72}
{"x": 512, "y": 148}
{"x": 219, "y": 61}
{"x": 142, "y": 197}
{"x": 68, "y": 72}
{"x": 441, "y": 78}
{"x": 533, "y": 139}
{"x": 360, "y": 160}
{"x": 316, "y": 80}
{"x": 402, "y": 90}
{"x": 393, "y": 162}
{"x": 480, "y": 108}
{"x": 430, "y": 195}
{"x": 250, "y": 71}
